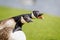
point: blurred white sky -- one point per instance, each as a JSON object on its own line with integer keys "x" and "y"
{"x": 48, "y": 6}
{"x": 27, "y": 2}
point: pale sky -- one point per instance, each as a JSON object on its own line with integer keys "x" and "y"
{"x": 48, "y": 6}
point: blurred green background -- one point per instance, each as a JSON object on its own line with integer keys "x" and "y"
{"x": 47, "y": 29}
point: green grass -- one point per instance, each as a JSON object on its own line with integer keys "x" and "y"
{"x": 47, "y": 29}
{"x": 6, "y": 12}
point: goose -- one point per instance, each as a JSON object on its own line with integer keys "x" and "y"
{"x": 14, "y": 26}
{"x": 35, "y": 14}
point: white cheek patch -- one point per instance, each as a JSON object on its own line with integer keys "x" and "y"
{"x": 33, "y": 15}
{"x": 22, "y": 20}
{"x": 10, "y": 23}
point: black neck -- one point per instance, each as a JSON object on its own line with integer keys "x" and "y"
{"x": 18, "y": 25}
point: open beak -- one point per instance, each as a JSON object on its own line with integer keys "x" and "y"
{"x": 40, "y": 17}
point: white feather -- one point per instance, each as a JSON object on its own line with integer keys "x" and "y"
{"x": 18, "y": 35}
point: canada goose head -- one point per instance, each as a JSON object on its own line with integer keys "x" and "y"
{"x": 37, "y": 14}
{"x": 25, "y": 19}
